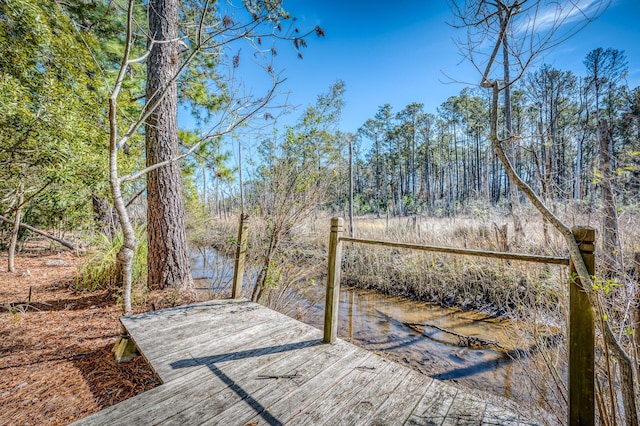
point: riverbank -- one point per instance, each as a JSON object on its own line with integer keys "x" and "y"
{"x": 510, "y": 289}
{"x": 531, "y": 297}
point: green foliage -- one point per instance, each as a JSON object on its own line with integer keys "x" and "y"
{"x": 297, "y": 170}
{"x": 50, "y": 110}
{"x": 207, "y": 163}
{"x": 604, "y": 285}
{"x": 101, "y": 270}
{"x": 293, "y": 179}
{"x": 273, "y": 276}
{"x": 409, "y": 203}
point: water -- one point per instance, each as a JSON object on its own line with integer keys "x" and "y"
{"x": 422, "y": 335}
{"x": 208, "y": 266}
{"x": 212, "y": 273}
{"x": 425, "y": 336}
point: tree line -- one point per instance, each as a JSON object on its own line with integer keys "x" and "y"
{"x": 54, "y": 128}
{"x": 90, "y": 90}
{"x": 443, "y": 162}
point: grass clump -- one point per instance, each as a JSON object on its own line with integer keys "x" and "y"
{"x": 101, "y": 270}
{"x": 499, "y": 287}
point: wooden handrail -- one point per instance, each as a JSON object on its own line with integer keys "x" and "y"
{"x": 581, "y": 319}
{"x": 469, "y": 252}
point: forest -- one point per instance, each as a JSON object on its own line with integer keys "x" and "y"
{"x": 96, "y": 166}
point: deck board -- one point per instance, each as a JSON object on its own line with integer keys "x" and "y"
{"x": 401, "y": 404}
{"x": 234, "y": 362}
{"x": 362, "y": 405}
{"x": 323, "y": 364}
{"x": 338, "y": 399}
{"x": 300, "y": 401}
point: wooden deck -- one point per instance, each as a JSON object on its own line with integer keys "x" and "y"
{"x": 233, "y": 362}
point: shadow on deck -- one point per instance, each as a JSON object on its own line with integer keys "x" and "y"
{"x": 234, "y": 362}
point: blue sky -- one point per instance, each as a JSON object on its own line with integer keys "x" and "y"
{"x": 402, "y": 51}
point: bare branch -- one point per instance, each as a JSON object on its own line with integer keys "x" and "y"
{"x": 211, "y": 134}
{"x": 533, "y": 26}
{"x": 40, "y": 232}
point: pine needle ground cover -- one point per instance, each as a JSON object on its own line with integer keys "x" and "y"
{"x": 56, "y": 364}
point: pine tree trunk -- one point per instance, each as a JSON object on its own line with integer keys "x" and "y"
{"x": 610, "y": 244}
{"x": 427, "y": 178}
{"x": 16, "y": 228}
{"x": 577, "y": 178}
{"x": 168, "y": 260}
{"x": 351, "y": 224}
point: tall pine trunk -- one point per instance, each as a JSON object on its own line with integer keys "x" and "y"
{"x": 16, "y": 229}
{"x": 351, "y": 224}
{"x": 168, "y": 259}
{"x": 610, "y": 243}
{"x": 577, "y": 178}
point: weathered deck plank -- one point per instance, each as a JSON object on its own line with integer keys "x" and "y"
{"x": 182, "y": 360}
{"x": 435, "y": 405}
{"x": 338, "y": 398}
{"x": 286, "y": 408}
{"x": 242, "y": 386}
{"x": 325, "y": 360}
{"x": 237, "y": 363}
{"x": 399, "y": 406}
{"x": 363, "y": 404}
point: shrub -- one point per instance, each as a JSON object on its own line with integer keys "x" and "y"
{"x": 101, "y": 270}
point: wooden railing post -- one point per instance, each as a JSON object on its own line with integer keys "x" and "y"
{"x": 636, "y": 332}
{"x": 333, "y": 282}
{"x": 241, "y": 251}
{"x": 581, "y": 336}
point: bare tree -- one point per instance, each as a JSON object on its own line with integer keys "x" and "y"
{"x": 531, "y": 27}
{"x": 232, "y": 112}
{"x": 294, "y": 178}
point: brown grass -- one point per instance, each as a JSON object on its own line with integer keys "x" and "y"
{"x": 495, "y": 286}
{"x": 472, "y": 283}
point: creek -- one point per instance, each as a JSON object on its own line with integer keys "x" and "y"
{"x": 466, "y": 347}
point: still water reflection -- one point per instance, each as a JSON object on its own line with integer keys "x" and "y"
{"x": 423, "y": 335}
{"x": 427, "y": 337}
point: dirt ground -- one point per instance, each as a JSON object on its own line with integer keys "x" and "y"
{"x": 56, "y": 364}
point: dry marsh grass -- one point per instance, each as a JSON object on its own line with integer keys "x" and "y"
{"x": 535, "y": 295}
{"x": 497, "y": 286}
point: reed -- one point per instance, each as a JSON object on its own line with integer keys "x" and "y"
{"x": 535, "y": 295}
{"x": 496, "y": 286}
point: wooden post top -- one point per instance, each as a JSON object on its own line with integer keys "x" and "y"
{"x": 585, "y": 237}
{"x": 584, "y": 234}
{"x": 336, "y": 224}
